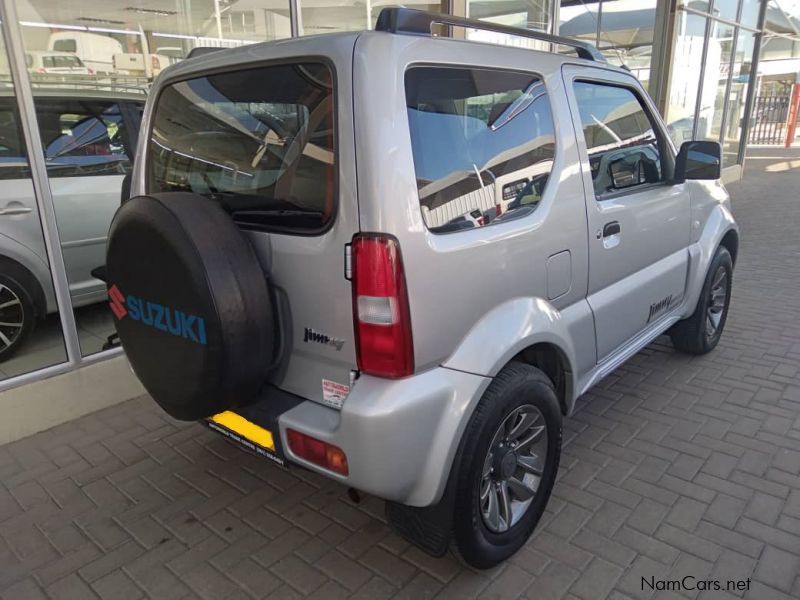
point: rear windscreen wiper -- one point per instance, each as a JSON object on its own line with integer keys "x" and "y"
{"x": 285, "y": 217}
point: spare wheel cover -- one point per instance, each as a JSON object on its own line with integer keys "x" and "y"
{"x": 191, "y": 303}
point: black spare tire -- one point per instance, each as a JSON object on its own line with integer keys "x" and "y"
{"x": 191, "y": 303}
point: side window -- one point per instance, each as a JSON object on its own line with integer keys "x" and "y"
{"x": 624, "y": 150}
{"x": 82, "y": 138}
{"x": 483, "y": 144}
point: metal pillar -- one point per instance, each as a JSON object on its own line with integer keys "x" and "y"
{"x": 661, "y": 58}
{"x": 295, "y": 18}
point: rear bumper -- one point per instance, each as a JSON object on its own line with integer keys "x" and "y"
{"x": 400, "y": 436}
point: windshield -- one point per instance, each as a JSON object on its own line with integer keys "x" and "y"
{"x": 258, "y": 141}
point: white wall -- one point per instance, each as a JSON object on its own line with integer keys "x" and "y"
{"x": 43, "y": 404}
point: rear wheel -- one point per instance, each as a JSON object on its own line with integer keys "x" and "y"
{"x": 700, "y": 333}
{"x": 508, "y": 466}
{"x": 17, "y": 315}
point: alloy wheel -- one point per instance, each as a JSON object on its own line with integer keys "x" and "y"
{"x": 12, "y": 317}
{"x": 716, "y": 302}
{"x": 513, "y": 468}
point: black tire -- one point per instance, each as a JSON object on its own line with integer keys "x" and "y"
{"x": 692, "y": 335}
{"x": 18, "y": 305}
{"x": 516, "y": 386}
{"x": 192, "y": 304}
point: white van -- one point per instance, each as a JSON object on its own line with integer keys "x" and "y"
{"x": 140, "y": 65}
{"x": 95, "y": 50}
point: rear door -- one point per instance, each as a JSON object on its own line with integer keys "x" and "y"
{"x": 639, "y": 219}
{"x": 19, "y": 214}
{"x": 273, "y": 145}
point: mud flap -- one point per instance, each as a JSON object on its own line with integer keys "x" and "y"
{"x": 428, "y": 527}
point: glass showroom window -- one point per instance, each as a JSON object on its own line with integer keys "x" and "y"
{"x": 700, "y": 5}
{"x": 626, "y": 35}
{"x": 685, "y": 82}
{"x": 725, "y": 9}
{"x": 327, "y": 16}
{"x": 714, "y": 90}
{"x": 782, "y": 36}
{"x": 740, "y": 80}
{"x": 30, "y": 328}
{"x": 527, "y": 14}
{"x": 91, "y": 66}
{"x": 622, "y": 29}
{"x": 748, "y": 14}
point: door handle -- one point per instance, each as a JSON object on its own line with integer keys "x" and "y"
{"x": 611, "y": 228}
{"x": 17, "y": 210}
{"x": 611, "y": 235}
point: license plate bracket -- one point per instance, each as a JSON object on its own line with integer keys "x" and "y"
{"x": 249, "y": 435}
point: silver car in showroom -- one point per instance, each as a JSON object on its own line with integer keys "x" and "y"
{"x": 89, "y": 136}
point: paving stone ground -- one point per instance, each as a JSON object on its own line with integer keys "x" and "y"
{"x": 674, "y": 466}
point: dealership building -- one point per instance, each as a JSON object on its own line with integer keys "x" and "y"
{"x": 75, "y": 74}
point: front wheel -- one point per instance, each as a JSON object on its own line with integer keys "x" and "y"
{"x": 508, "y": 466}
{"x": 700, "y": 333}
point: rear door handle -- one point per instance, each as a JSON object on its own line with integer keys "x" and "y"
{"x": 16, "y": 210}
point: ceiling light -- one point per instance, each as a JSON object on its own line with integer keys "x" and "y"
{"x": 151, "y": 11}
{"x": 53, "y": 25}
{"x": 176, "y": 35}
{"x": 93, "y": 20}
{"x": 122, "y": 31}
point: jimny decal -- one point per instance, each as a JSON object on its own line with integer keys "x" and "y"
{"x": 309, "y": 335}
{"x": 158, "y": 316}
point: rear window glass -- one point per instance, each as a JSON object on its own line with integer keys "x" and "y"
{"x": 483, "y": 144}
{"x": 65, "y": 45}
{"x": 261, "y": 142}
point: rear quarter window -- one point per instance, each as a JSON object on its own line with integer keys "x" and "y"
{"x": 260, "y": 141}
{"x": 483, "y": 144}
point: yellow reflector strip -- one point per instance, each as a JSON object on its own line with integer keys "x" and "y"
{"x": 251, "y": 431}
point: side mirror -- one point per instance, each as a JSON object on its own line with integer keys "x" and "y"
{"x": 698, "y": 160}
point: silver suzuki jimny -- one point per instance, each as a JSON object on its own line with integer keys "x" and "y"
{"x": 397, "y": 259}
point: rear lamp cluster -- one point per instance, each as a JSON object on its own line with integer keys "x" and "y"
{"x": 380, "y": 308}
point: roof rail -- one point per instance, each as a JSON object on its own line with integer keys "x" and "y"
{"x": 419, "y": 22}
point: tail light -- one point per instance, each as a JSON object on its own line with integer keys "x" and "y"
{"x": 318, "y": 452}
{"x": 90, "y": 70}
{"x": 380, "y": 308}
{"x": 498, "y": 210}
{"x": 155, "y": 62}
{"x": 41, "y": 70}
